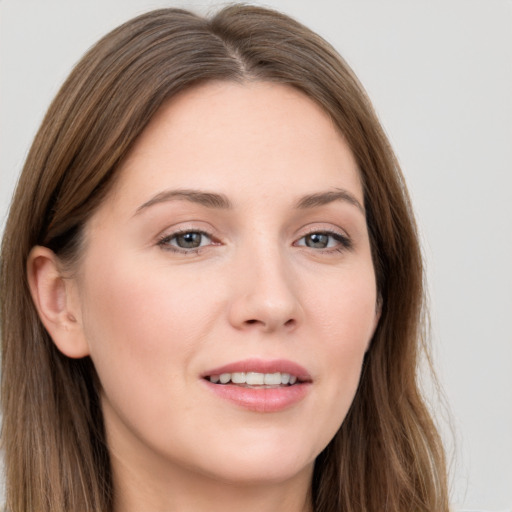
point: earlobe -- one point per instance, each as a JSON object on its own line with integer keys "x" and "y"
{"x": 55, "y": 299}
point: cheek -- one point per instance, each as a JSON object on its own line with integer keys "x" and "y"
{"x": 346, "y": 308}
{"x": 141, "y": 323}
{"x": 144, "y": 328}
{"x": 345, "y": 317}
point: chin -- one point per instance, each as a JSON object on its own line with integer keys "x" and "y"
{"x": 260, "y": 459}
{"x": 247, "y": 471}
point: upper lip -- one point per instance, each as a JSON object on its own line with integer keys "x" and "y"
{"x": 262, "y": 366}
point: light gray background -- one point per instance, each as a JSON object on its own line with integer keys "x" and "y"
{"x": 440, "y": 75}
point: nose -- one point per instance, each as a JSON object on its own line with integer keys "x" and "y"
{"x": 265, "y": 295}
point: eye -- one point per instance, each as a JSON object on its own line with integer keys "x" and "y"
{"x": 324, "y": 240}
{"x": 185, "y": 240}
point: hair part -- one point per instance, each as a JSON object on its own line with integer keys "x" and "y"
{"x": 387, "y": 454}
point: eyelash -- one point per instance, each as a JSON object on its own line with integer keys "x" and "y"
{"x": 344, "y": 242}
{"x": 165, "y": 240}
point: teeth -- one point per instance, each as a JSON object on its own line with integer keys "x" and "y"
{"x": 225, "y": 378}
{"x": 272, "y": 379}
{"x": 238, "y": 378}
{"x": 255, "y": 378}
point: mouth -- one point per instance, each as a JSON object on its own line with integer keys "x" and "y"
{"x": 260, "y": 385}
{"x": 256, "y": 380}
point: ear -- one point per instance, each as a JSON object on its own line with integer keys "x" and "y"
{"x": 57, "y": 302}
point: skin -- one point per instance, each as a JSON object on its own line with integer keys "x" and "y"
{"x": 154, "y": 317}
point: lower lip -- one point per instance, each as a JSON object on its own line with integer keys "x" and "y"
{"x": 261, "y": 399}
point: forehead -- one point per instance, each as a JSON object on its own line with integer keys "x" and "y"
{"x": 233, "y": 137}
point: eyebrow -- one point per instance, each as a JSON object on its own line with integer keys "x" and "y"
{"x": 208, "y": 199}
{"x": 323, "y": 198}
{"x": 220, "y": 201}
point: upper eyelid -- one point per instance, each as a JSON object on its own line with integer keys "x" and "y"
{"x": 193, "y": 226}
{"x": 164, "y": 242}
{"x": 324, "y": 232}
{"x": 186, "y": 230}
{"x": 170, "y": 233}
{"x": 343, "y": 239}
{"x": 176, "y": 233}
{"x": 165, "y": 239}
{"x": 328, "y": 230}
{"x": 198, "y": 226}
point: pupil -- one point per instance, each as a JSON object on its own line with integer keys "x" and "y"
{"x": 317, "y": 240}
{"x": 189, "y": 240}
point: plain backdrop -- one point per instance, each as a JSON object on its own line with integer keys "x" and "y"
{"x": 440, "y": 75}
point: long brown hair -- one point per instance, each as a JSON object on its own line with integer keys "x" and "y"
{"x": 387, "y": 455}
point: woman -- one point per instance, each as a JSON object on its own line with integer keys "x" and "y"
{"x": 211, "y": 284}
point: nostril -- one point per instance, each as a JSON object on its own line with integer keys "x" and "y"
{"x": 289, "y": 323}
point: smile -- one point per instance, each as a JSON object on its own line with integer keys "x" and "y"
{"x": 255, "y": 379}
{"x": 258, "y": 385}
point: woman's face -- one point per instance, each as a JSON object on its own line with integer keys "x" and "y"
{"x": 233, "y": 246}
